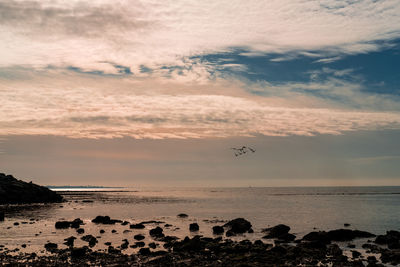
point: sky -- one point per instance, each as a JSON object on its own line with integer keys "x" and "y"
{"x": 157, "y": 92}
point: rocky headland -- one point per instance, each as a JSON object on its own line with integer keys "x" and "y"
{"x": 14, "y": 191}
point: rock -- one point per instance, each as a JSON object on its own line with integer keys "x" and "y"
{"x": 137, "y": 226}
{"x": 140, "y": 244}
{"x": 80, "y": 230}
{"x": 193, "y": 227}
{"x": 280, "y": 232}
{"x": 90, "y": 239}
{"x": 13, "y": 191}
{"x": 351, "y": 246}
{"x": 347, "y": 234}
{"x": 76, "y": 223}
{"x": 125, "y": 223}
{"x": 156, "y": 232}
{"x": 346, "y": 225}
{"x": 391, "y": 237}
{"x": 113, "y": 231}
{"x": 125, "y": 244}
{"x": 69, "y": 241}
{"x": 1, "y": 216}
{"x": 62, "y": 224}
{"x": 355, "y": 254}
{"x": 218, "y": 230}
{"x": 51, "y": 247}
{"x": 102, "y": 231}
{"x": 16, "y": 223}
{"x": 107, "y": 243}
{"x": 276, "y": 231}
{"x": 182, "y": 215}
{"x": 320, "y": 237}
{"x": 139, "y": 237}
{"x": 144, "y": 251}
{"x": 152, "y": 245}
{"x": 79, "y": 252}
{"x": 238, "y": 226}
{"x": 105, "y": 220}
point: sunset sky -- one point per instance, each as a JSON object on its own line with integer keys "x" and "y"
{"x": 153, "y": 92}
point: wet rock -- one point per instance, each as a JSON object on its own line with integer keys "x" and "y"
{"x": 105, "y": 220}
{"x": 23, "y": 245}
{"x": 16, "y": 223}
{"x": 347, "y": 234}
{"x": 238, "y": 226}
{"x": 113, "y": 250}
{"x": 90, "y": 239}
{"x": 137, "y": 226}
{"x": 218, "y": 230}
{"x": 351, "y": 245}
{"x": 321, "y": 237}
{"x": 80, "y": 230}
{"x": 76, "y": 223}
{"x": 355, "y": 254}
{"x": 107, "y": 243}
{"x": 13, "y": 191}
{"x": 144, "y": 251}
{"x": 371, "y": 247}
{"x": 62, "y": 224}
{"x": 346, "y": 224}
{"x": 79, "y": 252}
{"x": 194, "y": 227}
{"x": 182, "y": 215}
{"x": 125, "y": 223}
{"x": 51, "y": 247}
{"x": 390, "y": 238}
{"x": 140, "y": 244}
{"x": 113, "y": 231}
{"x": 390, "y": 256}
{"x": 156, "y": 232}
{"x": 139, "y": 237}
{"x": 125, "y": 244}
{"x": 102, "y": 231}
{"x": 152, "y": 222}
{"x": 152, "y": 245}
{"x": 69, "y": 241}
{"x": 1, "y": 216}
{"x": 276, "y": 231}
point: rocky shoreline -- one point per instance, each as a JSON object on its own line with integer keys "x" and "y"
{"x": 13, "y": 191}
{"x": 278, "y": 247}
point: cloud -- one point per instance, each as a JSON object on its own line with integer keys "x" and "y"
{"x": 149, "y": 108}
{"x": 155, "y": 33}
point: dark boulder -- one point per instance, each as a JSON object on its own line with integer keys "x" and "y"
{"x": 90, "y": 239}
{"x": 218, "y": 230}
{"x": 1, "y": 216}
{"x": 280, "y": 232}
{"x": 13, "y": 191}
{"x": 156, "y": 232}
{"x": 182, "y": 215}
{"x": 69, "y": 241}
{"x": 80, "y": 230}
{"x": 319, "y": 237}
{"x": 193, "y": 227}
{"x": 62, "y": 224}
{"x": 137, "y": 226}
{"x": 238, "y": 226}
{"x": 105, "y": 220}
{"x": 144, "y": 251}
{"x": 51, "y": 247}
{"x": 139, "y": 237}
{"x": 79, "y": 252}
{"x": 347, "y": 234}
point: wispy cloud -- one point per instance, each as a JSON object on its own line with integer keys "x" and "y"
{"x": 152, "y": 33}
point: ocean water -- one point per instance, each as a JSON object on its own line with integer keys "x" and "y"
{"x": 304, "y": 209}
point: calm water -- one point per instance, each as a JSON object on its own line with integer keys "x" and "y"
{"x": 374, "y": 209}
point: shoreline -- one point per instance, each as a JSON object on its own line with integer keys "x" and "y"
{"x": 279, "y": 247}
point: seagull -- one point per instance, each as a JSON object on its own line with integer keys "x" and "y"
{"x": 242, "y": 150}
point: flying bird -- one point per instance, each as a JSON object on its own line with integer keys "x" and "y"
{"x": 242, "y": 150}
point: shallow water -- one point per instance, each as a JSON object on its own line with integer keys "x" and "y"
{"x": 374, "y": 209}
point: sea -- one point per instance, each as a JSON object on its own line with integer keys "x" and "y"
{"x": 304, "y": 209}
